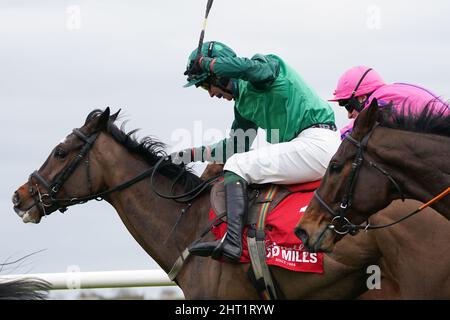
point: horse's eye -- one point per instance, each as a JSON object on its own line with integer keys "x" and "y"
{"x": 335, "y": 167}
{"x": 60, "y": 153}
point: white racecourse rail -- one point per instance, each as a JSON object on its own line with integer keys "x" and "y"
{"x": 99, "y": 279}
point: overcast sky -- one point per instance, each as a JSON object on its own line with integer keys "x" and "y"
{"x": 57, "y": 65}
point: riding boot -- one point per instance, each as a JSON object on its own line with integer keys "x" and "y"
{"x": 229, "y": 247}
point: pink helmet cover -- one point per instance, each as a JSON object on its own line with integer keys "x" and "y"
{"x": 349, "y": 80}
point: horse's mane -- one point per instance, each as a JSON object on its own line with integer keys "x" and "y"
{"x": 151, "y": 150}
{"x": 433, "y": 119}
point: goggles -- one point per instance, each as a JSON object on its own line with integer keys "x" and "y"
{"x": 351, "y": 104}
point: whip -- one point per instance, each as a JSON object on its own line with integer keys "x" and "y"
{"x": 202, "y": 34}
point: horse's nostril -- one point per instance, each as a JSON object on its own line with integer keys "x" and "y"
{"x": 302, "y": 235}
{"x": 16, "y": 198}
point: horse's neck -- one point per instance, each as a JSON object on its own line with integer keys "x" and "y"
{"x": 418, "y": 161}
{"x": 149, "y": 218}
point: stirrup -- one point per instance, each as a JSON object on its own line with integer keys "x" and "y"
{"x": 207, "y": 249}
{"x": 224, "y": 254}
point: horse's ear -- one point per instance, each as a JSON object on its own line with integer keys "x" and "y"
{"x": 366, "y": 120}
{"x": 103, "y": 119}
{"x": 115, "y": 115}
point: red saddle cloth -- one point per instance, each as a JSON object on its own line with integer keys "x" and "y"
{"x": 283, "y": 248}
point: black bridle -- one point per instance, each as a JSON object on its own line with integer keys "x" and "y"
{"x": 339, "y": 216}
{"x": 48, "y": 201}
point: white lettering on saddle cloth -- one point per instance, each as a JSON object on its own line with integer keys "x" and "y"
{"x": 293, "y": 257}
{"x": 290, "y": 255}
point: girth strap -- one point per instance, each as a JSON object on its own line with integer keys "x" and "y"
{"x": 178, "y": 265}
{"x": 257, "y": 250}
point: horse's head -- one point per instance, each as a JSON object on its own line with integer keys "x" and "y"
{"x": 69, "y": 173}
{"x": 351, "y": 189}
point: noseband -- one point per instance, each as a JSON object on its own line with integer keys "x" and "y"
{"x": 346, "y": 202}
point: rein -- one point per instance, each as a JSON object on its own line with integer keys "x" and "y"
{"x": 346, "y": 202}
{"x": 48, "y": 200}
{"x": 184, "y": 197}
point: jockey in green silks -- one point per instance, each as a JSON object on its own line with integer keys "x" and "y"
{"x": 267, "y": 94}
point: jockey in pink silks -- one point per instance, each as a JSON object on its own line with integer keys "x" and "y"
{"x": 358, "y": 86}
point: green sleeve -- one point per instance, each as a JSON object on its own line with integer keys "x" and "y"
{"x": 243, "y": 133}
{"x": 259, "y": 69}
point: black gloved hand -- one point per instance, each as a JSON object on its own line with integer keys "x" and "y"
{"x": 183, "y": 156}
{"x": 195, "y": 67}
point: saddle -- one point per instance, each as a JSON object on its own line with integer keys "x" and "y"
{"x": 257, "y": 196}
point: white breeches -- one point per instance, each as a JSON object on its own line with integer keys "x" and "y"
{"x": 302, "y": 159}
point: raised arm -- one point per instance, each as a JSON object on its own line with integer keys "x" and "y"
{"x": 259, "y": 69}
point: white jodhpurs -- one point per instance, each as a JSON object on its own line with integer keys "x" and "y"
{"x": 302, "y": 159}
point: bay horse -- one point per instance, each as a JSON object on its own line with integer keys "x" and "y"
{"x": 96, "y": 158}
{"x": 391, "y": 154}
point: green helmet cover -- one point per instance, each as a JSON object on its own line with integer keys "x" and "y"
{"x": 210, "y": 49}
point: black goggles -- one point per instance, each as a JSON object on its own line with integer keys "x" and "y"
{"x": 351, "y": 104}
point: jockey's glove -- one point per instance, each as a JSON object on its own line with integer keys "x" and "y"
{"x": 196, "y": 67}
{"x": 190, "y": 155}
